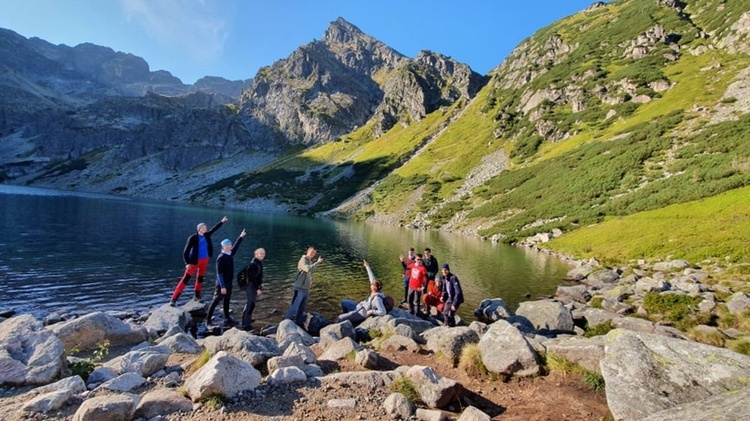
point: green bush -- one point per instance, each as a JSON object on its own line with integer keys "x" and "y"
{"x": 598, "y": 330}
{"x": 674, "y": 307}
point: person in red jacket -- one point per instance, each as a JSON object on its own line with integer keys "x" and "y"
{"x": 434, "y": 295}
{"x": 417, "y": 284}
{"x": 196, "y": 254}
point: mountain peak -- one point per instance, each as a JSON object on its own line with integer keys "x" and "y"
{"x": 341, "y": 31}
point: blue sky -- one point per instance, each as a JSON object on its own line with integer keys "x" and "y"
{"x": 234, "y": 38}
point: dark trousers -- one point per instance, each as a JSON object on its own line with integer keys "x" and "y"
{"x": 415, "y": 300}
{"x": 218, "y": 297}
{"x": 448, "y": 314}
{"x": 247, "y": 313}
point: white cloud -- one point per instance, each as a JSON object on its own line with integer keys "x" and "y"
{"x": 193, "y": 26}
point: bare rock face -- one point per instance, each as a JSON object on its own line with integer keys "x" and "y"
{"x": 648, "y": 373}
{"x": 29, "y": 353}
{"x": 92, "y": 329}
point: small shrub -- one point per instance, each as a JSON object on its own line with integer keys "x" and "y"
{"x": 199, "y": 362}
{"x": 593, "y": 380}
{"x": 560, "y": 365}
{"x": 674, "y": 307}
{"x": 405, "y": 387}
{"x": 742, "y": 347}
{"x": 598, "y": 330}
{"x": 596, "y": 302}
{"x": 214, "y": 401}
{"x": 708, "y": 337}
{"x": 471, "y": 362}
{"x": 82, "y": 368}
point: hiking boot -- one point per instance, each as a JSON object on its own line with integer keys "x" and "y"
{"x": 209, "y": 324}
{"x": 230, "y": 322}
{"x": 172, "y": 303}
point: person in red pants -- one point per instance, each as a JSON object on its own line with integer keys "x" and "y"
{"x": 434, "y": 295}
{"x": 198, "y": 250}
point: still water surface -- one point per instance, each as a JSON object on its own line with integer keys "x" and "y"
{"x": 62, "y": 251}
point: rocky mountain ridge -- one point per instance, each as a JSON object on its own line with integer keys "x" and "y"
{"x": 626, "y": 106}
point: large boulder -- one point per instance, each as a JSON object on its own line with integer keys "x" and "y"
{"x": 435, "y": 390}
{"x": 182, "y": 343}
{"x": 340, "y": 350}
{"x": 223, "y": 374}
{"x": 450, "y": 341}
{"x": 547, "y": 316}
{"x": 161, "y": 402}
{"x": 335, "y": 332}
{"x": 88, "y": 331}
{"x": 586, "y": 352}
{"x": 288, "y": 332}
{"x": 29, "y": 353}
{"x": 107, "y": 408}
{"x": 729, "y": 406}
{"x": 506, "y": 351}
{"x": 144, "y": 361}
{"x": 165, "y": 317}
{"x": 647, "y": 373}
{"x": 491, "y": 310}
{"x": 254, "y": 349}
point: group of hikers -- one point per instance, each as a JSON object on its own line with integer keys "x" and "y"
{"x": 424, "y": 283}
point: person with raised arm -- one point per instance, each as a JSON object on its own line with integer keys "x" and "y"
{"x": 373, "y": 305}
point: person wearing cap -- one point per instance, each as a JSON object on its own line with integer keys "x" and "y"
{"x": 198, "y": 250}
{"x": 302, "y": 284}
{"x": 453, "y": 296}
{"x": 374, "y": 305}
{"x": 224, "y": 278}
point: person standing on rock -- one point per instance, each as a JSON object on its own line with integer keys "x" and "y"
{"x": 430, "y": 263}
{"x": 198, "y": 250}
{"x": 302, "y": 284}
{"x": 417, "y": 283}
{"x": 406, "y": 262}
{"x": 254, "y": 287}
{"x": 224, "y": 279}
{"x": 453, "y": 295}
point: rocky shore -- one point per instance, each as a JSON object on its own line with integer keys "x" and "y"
{"x": 399, "y": 366}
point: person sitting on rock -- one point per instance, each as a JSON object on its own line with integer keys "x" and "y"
{"x": 374, "y": 305}
{"x": 434, "y": 295}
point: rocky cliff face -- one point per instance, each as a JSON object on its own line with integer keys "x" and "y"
{"x": 104, "y": 111}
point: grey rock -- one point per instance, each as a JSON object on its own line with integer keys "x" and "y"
{"x": 547, "y": 316}
{"x": 450, "y": 341}
{"x": 431, "y": 415}
{"x": 165, "y": 318}
{"x": 275, "y": 363}
{"x": 728, "y": 406}
{"x": 161, "y": 402}
{"x": 254, "y": 349}
{"x": 342, "y": 403}
{"x": 398, "y": 406}
{"x": 340, "y": 350}
{"x": 47, "y": 402}
{"x": 738, "y": 303}
{"x": 223, "y": 374}
{"x": 648, "y": 373}
{"x": 287, "y": 375}
{"x": 506, "y": 351}
{"x": 107, "y": 408}
{"x": 491, "y": 310}
{"x": 335, "y": 332}
{"x": 399, "y": 343}
{"x": 29, "y": 353}
{"x": 586, "y": 352}
{"x": 145, "y": 361}
{"x": 123, "y": 383}
{"x": 472, "y": 413}
{"x": 578, "y": 293}
{"x": 435, "y": 390}
{"x": 288, "y": 332}
{"x": 303, "y": 351}
{"x": 372, "y": 379}
{"x": 367, "y": 358}
{"x": 182, "y": 343}
{"x": 92, "y": 329}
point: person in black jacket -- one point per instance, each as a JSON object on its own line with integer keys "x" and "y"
{"x": 224, "y": 279}
{"x": 198, "y": 250}
{"x": 453, "y": 296}
{"x": 430, "y": 263}
{"x": 254, "y": 287}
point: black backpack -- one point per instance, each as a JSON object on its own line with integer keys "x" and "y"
{"x": 388, "y": 303}
{"x": 243, "y": 278}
